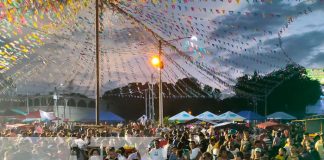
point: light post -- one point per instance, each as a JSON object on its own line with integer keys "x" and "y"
{"x": 158, "y": 63}
{"x": 55, "y": 97}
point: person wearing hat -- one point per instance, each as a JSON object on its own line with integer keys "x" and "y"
{"x": 212, "y": 149}
{"x": 258, "y": 155}
{"x": 156, "y": 153}
{"x": 306, "y": 138}
{"x": 281, "y": 154}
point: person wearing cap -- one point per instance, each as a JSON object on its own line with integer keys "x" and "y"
{"x": 306, "y": 138}
{"x": 212, "y": 149}
{"x": 156, "y": 153}
{"x": 281, "y": 154}
{"x": 258, "y": 155}
{"x": 257, "y": 145}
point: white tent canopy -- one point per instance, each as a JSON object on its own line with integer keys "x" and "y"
{"x": 182, "y": 116}
{"x": 281, "y": 115}
{"x": 231, "y": 116}
{"x": 208, "y": 116}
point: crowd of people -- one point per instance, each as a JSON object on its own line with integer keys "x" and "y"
{"x": 173, "y": 142}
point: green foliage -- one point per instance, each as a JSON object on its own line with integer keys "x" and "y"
{"x": 288, "y": 89}
{"x": 166, "y": 120}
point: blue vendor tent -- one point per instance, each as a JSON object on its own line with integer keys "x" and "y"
{"x": 103, "y": 116}
{"x": 182, "y": 116}
{"x": 249, "y": 115}
{"x": 207, "y": 116}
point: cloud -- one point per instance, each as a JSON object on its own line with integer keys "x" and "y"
{"x": 300, "y": 47}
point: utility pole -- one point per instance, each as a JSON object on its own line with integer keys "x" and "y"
{"x": 145, "y": 97}
{"x": 65, "y": 106}
{"x": 55, "y": 97}
{"x": 160, "y": 87}
{"x": 27, "y": 100}
{"x": 152, "y": 100}
{"x": 97, "y": 65}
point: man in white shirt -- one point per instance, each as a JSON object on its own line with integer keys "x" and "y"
{"x": 82, "y": 143}
{"x": 156, "y": 153}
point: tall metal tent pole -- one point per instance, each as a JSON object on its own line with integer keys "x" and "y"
{"x": 97, "y": 64}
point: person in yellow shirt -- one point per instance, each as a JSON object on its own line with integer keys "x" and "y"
{"x": 281, "y": 154}
{"x": 212, "y": 147}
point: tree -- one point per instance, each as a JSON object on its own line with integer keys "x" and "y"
{"x": 287, "y": 89}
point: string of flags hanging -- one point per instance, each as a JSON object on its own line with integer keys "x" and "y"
{"x": 66, "y": 30}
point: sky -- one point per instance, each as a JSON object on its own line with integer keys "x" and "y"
{"x": 232, "y": 39}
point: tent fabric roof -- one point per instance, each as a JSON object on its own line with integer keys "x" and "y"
{"x": 270, "y": 124}
{"x": 249, "y": 115}
{"x": 281, "y": 115}
{"x": 104, "y": 116}
{"x": 207, "y": 116}
{"x": 10, "y": 112}
{"x": 110, "y": 117}
{"x": 182, "y": 116}
{"x": 231, "y": 116}
{"x": 40, "y": 115}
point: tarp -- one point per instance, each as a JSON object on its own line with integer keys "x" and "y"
{"x": 182, "y": 116}
{"x": 281, "y": 115}
{"x": 231, "y": 116}
{"x": 10, "y": 113}
{"x": 249, "y": 115}
{"x": 39, "y": 115}
{"x": 272, "y": 125}
{"x": 208, "y": 116}
{"x": 110, "y": 117}
{"x": 11, "y": 126}
{"x": 103, "y": 116}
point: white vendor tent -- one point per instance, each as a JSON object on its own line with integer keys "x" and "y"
{"x": 231, "y": 116}
{"x": 182, "y": 116}
{"x": 207, "y": 116}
